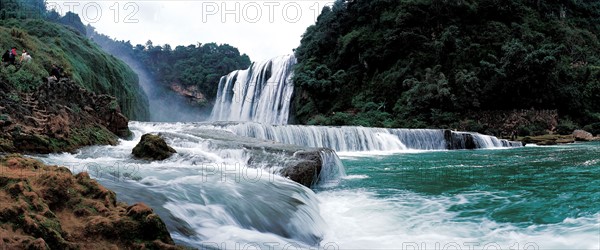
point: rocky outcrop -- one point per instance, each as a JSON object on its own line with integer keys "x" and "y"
{"x": 47, "y": 207}
{"x": 192, "y": 93}
{"x": 582, "y": 135}
{"x": 152, "y": 147}
{"x": 548, "y": 140}
{"x": 459, "y": 140}
{"x": 58, "y": 116}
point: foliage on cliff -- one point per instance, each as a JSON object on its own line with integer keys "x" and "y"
{"x": 197, "y": 67}
{"x": 27, "y": 25}
{"x": 429, "y": 63}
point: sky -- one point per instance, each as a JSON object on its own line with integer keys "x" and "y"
{"x": 260, "y": 29}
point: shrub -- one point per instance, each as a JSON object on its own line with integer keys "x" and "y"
{"x": 318, "y": 120}
{"x": 566, "y": 127}
{"x": 593, "y": 128}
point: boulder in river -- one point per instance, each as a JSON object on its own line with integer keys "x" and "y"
{"x": 152, "y": 147}
{"x": 582, "y": 135}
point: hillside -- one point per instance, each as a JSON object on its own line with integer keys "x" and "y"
{"x": 192, "y": 71}
{"x": 90, "y": 105}
{"x": 451, "y": 64}
{"x": 83, "y": 61}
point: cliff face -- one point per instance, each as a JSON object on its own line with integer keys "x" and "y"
{"x": 57, "y": 116}
{"x": 47, "y": 207}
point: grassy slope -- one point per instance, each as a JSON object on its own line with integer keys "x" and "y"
{"x": 81, "y": 59}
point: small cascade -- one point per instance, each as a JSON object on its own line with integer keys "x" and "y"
{"x": 261, "y": 93}
{"x": 332, "y": 169}
{"x": 352, "y": 138}
{"x": 486, "y": 141}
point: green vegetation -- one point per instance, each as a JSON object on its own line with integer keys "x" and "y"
{"x": 22, "y": 9}
{"x": 200, "y": 66}
{"x": 53, "y": 43}
{"x": 429, "y": 63}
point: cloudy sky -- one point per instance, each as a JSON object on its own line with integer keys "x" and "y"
{"x": 261, "y": 29}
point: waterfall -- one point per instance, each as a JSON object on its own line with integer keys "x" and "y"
{"x": 353, "y": 138}
{"x": 332, "y": 169}
{"x": 261, "y": 93}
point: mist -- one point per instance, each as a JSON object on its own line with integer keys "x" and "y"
{"x": 165, "y": 105}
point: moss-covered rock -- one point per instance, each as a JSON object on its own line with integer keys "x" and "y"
{"x": 47, "y": 207}
{"x": 57, "y": 117}
{"x": 152, "y": 147}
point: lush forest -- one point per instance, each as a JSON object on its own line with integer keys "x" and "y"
{"x": 53, "y": 39}
{"x": 194, "y": 66}
{"x": 433, "y": 63}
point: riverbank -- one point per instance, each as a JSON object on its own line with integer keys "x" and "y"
{"x": 47, "y": 207}
{"x": 554, "y": 139}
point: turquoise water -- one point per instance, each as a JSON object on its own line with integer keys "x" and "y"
{"x": 520, "y": 198}
{"x": 539, "y": 197}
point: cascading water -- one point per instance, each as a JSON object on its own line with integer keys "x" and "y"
{"x": 350, "y": 138}
{"x": 332, "y": 169}
{"x": 484, "y": 199}
{"x": 212, "y": 194}
{"x": 261, "y": 93}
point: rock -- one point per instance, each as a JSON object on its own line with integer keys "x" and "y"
{"x": 547, "y": 140}
{"x": 190, "y": 92}
{"x": 582, "y": 135}
{"x": 57, "y": 117}
{"x": 300, "y": 164}
{"x": 547, "y": 143}
{"x": 152, "y": 147}
{"x": 459, "y": 140}
{"x": 306, "y": 170}
{"x": 46, "y": 207}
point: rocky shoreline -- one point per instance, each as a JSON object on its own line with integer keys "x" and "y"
{"x": 57, "y": 117}
{"x": 47, "y": 207}
{"x": 554, "y": 139}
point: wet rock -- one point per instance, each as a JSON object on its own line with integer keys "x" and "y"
{"x": 152, "y": 147}
{"x": 298, "y": 163}
{"x": 459, "y": 140}
{"x": 306, "y": 170}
